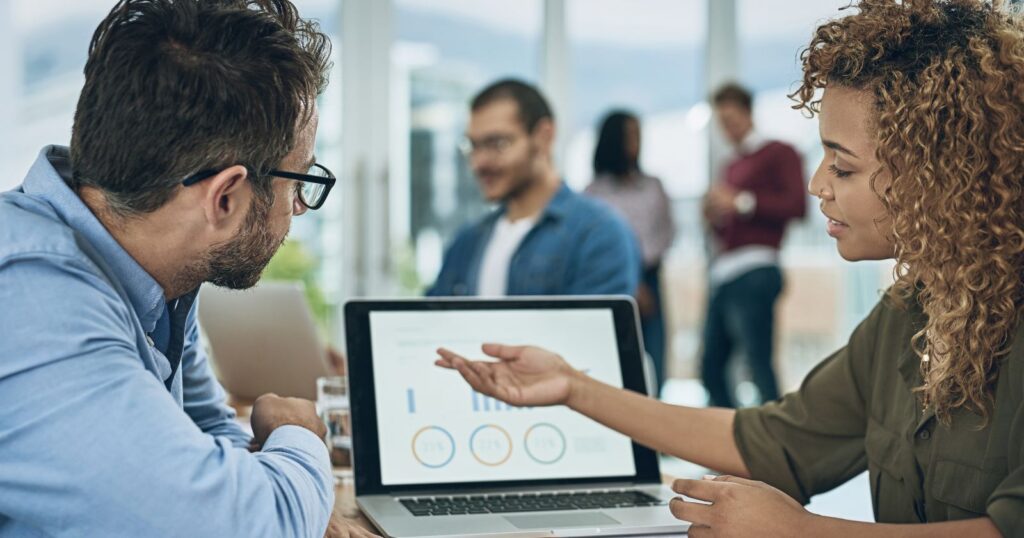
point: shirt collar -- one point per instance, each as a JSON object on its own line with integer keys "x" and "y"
{"x": 557, "y": 208}
{"x": 751, "y": 143}
{"x": 47, "y": 180}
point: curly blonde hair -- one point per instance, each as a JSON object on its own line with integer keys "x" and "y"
{"x": 947, "y": 80}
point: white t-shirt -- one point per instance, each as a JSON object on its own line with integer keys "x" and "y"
{"x": 505, "y": 239}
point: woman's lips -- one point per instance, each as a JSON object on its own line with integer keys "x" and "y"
{"x": 836, "y": 228}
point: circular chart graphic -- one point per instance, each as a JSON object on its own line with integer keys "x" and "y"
{"x": 490, "y": 445}
{"x": 433, "y": 447}
{"x": 544, "y": 443}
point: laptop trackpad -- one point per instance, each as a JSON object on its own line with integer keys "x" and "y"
{"x": 561, "y": 520}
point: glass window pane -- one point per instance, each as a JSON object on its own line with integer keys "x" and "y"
{"x": 646, "y": 56}
{"x": 312, "y": 253}
{"x": 43, "y": 46}
{"x": 444, "y": 52}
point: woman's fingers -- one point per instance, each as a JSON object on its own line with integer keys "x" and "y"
{"x": 696, "y": 513}
{"x": 738, "y": 480}
{"x": 447, "y": 357}
{"x": 447, "y": 354}
{"x": 503, "y": 352}
{"x": 705, "y": 490}
{"x": 481, "y": 375}
{"x": 467, "y": 372}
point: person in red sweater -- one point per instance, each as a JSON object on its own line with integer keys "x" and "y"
{"x": 746, "y": 211}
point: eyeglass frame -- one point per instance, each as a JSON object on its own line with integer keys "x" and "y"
{"x": 328, "y": 181}
{"x": 495, "y": 145}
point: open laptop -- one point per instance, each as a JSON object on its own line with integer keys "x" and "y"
{"x": 263, "y": 340}
{"x": 434, "y": 458}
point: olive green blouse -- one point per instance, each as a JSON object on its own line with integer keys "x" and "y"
{"x": 856, "y": 410}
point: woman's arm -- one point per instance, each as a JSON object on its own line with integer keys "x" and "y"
{"x": 981, "y": 527}
{"x": 810, "y": 441}
{"x": 701, "y": 435}
{"x": 527, "y": 375}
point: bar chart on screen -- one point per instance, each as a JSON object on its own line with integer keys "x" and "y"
{"x": 482, "y": 403}
{"x": 434, "y": 427}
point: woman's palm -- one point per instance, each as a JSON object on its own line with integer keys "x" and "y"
{"x": 537, "y": 377}
{"x": 522, "y": 376}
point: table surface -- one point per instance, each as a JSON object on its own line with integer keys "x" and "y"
{"x": 345, "y": 499}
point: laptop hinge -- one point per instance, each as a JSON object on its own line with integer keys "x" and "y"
{"x": 519, "y": 489}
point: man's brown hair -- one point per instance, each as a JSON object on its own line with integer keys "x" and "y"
{"x": 173, "y": 87}
{"x": 735, "y": 94}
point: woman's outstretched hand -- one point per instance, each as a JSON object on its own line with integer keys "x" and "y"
{"x": 523, "y": 375}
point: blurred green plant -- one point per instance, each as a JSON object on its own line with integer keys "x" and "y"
{"x": 409, "y": 283}
{"x": 293, "y": 262}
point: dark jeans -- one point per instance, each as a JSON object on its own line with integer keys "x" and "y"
{"x": 653, "y": 326}
{"x": 741, "y": 314}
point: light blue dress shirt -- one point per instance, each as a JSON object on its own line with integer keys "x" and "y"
{"x": 111, "y": 422}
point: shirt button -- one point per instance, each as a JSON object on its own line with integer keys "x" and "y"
{"x": 924, "y": 435}
{"x": 149, "y": 340}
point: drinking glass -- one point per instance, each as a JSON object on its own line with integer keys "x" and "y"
{"x": 333, "y": 406}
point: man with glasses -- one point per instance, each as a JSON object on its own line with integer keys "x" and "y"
{"x": 543, "y": 239}
{"x": 191, "y": 151}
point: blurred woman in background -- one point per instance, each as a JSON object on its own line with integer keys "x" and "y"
{"x": 641, "y": 199}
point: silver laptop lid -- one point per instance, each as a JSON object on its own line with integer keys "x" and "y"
{"x": 263, "y": 340}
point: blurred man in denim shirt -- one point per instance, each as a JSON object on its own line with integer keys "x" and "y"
{"x": 543, "y": 239}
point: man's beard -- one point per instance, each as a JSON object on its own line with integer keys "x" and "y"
{"x": 238, "y": 264}
{"x": 523, "y": 178}
{"x": 520, "y": 184}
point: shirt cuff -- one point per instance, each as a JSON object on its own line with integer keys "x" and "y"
{"x": 1008, "y": 516}
{"x": 298, "y": 438}
{"x": 763, "y": 455}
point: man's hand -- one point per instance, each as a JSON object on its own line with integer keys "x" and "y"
{"x": 272, "y": 411}
{"x": 339, "y": 527}
{"x": 739, "y": 507}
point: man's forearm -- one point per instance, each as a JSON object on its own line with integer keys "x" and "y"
{"x": 700, "y": 435}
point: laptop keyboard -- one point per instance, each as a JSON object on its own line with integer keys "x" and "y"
{"x": 527, "y": 502}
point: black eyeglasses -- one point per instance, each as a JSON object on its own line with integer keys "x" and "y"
{"x": 313, "y": 187}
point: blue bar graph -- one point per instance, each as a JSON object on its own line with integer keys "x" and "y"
{"x": 410, "y": 398}
{"x": 486, "y": 403}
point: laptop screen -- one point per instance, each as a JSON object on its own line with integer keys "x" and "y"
{"x": 434, "y": 429}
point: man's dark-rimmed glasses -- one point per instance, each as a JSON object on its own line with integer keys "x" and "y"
{"x": 313, "y": 186}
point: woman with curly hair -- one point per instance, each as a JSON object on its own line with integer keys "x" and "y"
{"x": 921, "y": 106}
